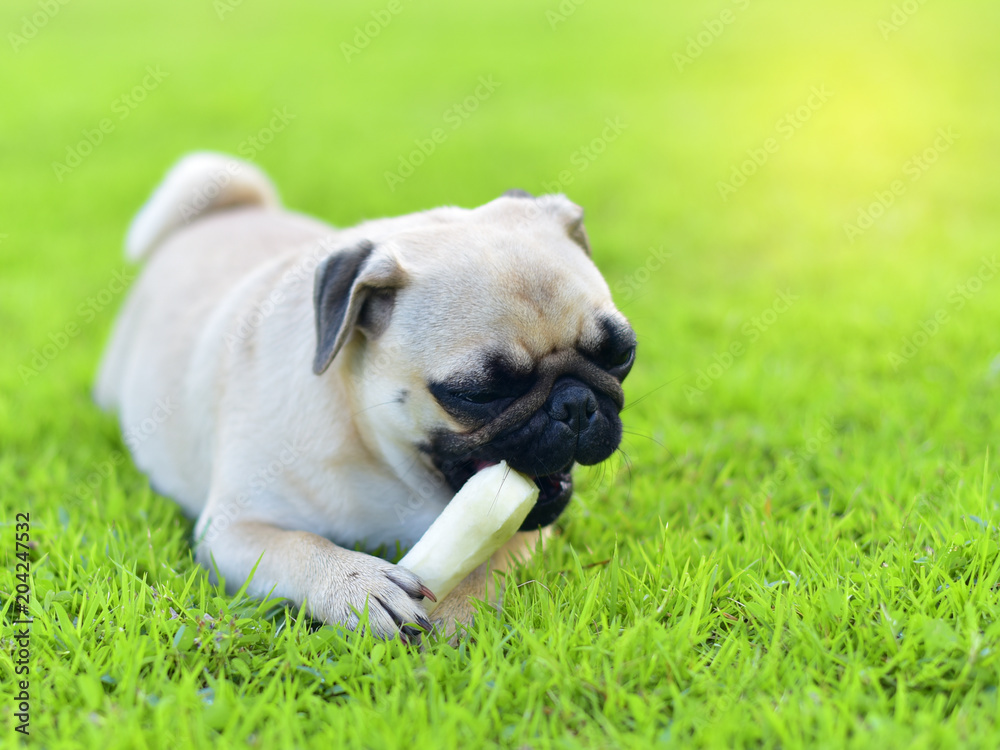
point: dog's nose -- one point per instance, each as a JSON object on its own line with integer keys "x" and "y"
{"x": 574, "y": 404}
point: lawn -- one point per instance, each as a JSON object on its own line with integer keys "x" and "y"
{"x": 795, "y": 204}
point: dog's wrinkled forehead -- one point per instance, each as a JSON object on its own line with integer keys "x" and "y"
{"x": 556, "y": 210}
{"x": 505, "y": 278}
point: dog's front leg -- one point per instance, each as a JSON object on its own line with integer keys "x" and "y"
{"x": 334, "y": 583}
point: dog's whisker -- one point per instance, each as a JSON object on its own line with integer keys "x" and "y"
{"x": 602, "y": 474}
{"x": 646, "y": 395}
{"x": 628, "y": 466}
{"x": 626, "y": 459}
{"x": 374, "y": 406}
{"x": 644, "y": 435}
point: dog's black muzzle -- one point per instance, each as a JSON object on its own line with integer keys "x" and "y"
{"x": 569, "y": 416}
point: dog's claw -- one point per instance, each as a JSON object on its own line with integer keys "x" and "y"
{"x": 407, "y": 632}
{"x": 410, "y": 634}
{"x": 414, "y": 588}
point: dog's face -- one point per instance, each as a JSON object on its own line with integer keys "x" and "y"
{"x": 483, "y": 335}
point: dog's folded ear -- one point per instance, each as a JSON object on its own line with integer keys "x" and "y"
{"x": 578, "y": 234}
{"x": 569, "y": 215}
{"x": 559, "y": 207}
{"x": 345, "y": 284}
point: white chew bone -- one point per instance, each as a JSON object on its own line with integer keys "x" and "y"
{"x": 481, "y": 518}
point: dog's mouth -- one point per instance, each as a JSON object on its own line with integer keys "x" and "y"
{"x": 554, "y": 490}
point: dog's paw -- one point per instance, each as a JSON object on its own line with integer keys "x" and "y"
{"x": 392, "y": 594}
{"x": 453, "y": 617}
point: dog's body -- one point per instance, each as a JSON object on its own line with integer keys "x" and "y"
{"x": 275, "y": 376}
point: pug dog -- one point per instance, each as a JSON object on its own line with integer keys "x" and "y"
{"x": 305, "y": 391}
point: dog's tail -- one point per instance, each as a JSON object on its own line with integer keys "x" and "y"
{"x": 199, "y": 184}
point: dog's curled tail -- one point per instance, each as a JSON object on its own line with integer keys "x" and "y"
{"x": 199, "y": 184}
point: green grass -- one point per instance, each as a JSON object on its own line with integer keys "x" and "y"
{"x": 803, "y": 554}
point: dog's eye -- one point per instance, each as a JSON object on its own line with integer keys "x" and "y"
{"x": 479, "y": 397}
{"x": 475, "y": 399}
{"x": 623, "y": 358}
{"x": 459, "y": 396}
{"x": 616, "y": 349}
